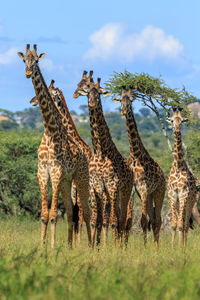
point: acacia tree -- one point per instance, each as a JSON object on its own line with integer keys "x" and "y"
{"x": 157, "y": 96}
{"x": 153, "y": 93}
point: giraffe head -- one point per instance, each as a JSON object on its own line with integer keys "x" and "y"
{"x": 87, "y": 87}
{"x": 176, "y": 120}
{"x": 83, "y": 85}
{"x": 30, "y": 59}
{"x": 125, "y": 100}
{"x": 54, "y": 92}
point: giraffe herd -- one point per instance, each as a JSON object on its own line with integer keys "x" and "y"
{"x": 103, "y": 174}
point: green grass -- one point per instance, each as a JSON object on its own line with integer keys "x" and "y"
{"x": 29, "y": 272}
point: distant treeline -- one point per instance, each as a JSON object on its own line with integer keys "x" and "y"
{"x": 19, "y": 189}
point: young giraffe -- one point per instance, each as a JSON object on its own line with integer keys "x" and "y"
{"x": 60, "y": 157}
{"x": 61, "y": 105}
{"x": 148, "y": 176}
{"x": 111, "y": 180}
{"x": 181, "y": 184}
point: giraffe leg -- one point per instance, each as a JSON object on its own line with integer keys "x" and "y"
{"x": 129, "y": 220}
{"x": 95, "y": 214}
{"x": 182, "y": 203}
{"x": 144, "y": 221}
{"x": 189, "y": 206}
{"x": 65, "y": 188}
{"x": 126, "y": 206}
{"x": 74, "y": 196}
{"x": 106, "y": 216}
{"x": 172, "y": 196}
{"x": 43, "y": 179}
{"x": 56, "y": 175}
{"x": 82, "y": 183}
{"x": 158, "y": 196}
{"x": 80, "y": 223}
{"x": 114, "y": 214}
{"x": 83, "y": 193}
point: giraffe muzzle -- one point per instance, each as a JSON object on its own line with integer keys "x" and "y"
{"x": 92, "y": 104}
{"x": 75, "y": 95}
{"x": 28, "y": 74}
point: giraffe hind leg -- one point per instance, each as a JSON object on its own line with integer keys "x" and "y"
{"x": 158, "y": 197}
{"x": 65, "y": 188}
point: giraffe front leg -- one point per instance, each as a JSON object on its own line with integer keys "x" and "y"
{"x": 43, "y": 180}
{"x": 144, "y": 221}
{"x": 126, "y": 207}
{"x": 182, "y": 202}
{"x": 172, "y": 196}
{"x": 80, "y": 222}
{"x": 114, "y": 214}
{"x": 65, "y": 187}
{"x": 84, "y": 212}
{"x": 106, "y": 216}
{"x": 94, "y": 215}
{"x": 53, "y": 214}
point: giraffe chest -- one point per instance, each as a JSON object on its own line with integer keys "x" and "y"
{"x": 177, "y": 176}
{"x": 57, "y": 155}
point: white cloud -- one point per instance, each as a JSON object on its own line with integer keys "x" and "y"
{"x": 113, "y": 42}
{"x": 48, "y": 65}
{"x": 9, "y": 56}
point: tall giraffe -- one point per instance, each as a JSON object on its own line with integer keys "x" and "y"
{"x": 59, "y": 156}
{"x": 148, "y": 176}
{"x": 61, "y": 105}
{"x": 111, "y": 179}
{"x": 182, "y": 191}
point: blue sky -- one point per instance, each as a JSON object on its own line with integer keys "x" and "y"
{"x": 158, "y": 37}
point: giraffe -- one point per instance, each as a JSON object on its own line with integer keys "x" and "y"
{"x": 59, "y": 156}
{"x": 149, "y": 179}
{"x": 61, "y": 105}
{"x": 111, "y": 180}
{"x": 182, "y": 191}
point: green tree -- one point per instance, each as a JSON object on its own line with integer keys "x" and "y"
{"x": 19, "y": 190}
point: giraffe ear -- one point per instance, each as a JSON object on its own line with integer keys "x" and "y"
{"x": 185, "y": 120}
{"x": 21, "y": 55}
{"x": 169, "y": 120}
{"x": 83, "y": 92}
{"x": 34, "y": 101}
{"x": 104, "y": 93}
{"x": 41, "y": 56}
{"x": 117, "y": 100}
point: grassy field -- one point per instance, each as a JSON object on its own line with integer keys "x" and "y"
{"x": 29, "y": 272}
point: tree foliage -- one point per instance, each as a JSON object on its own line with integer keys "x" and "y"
{"x": 151, "y": 91}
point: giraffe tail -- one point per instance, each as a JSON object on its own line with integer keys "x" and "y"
{"x": 75, "y": 208}
{"x": 191, "y": 225}
{"x": 150, "y": 222}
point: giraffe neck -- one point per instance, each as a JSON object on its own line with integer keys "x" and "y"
{"x": 136, "y": 145}
{"x": 67, "y": 120}
{"x": 178, "y": 150}
{"x": 50, "y": 115}
{"x": 101, "y": 138}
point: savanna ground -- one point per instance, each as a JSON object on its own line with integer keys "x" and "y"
{"x": 28, "y": 271}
